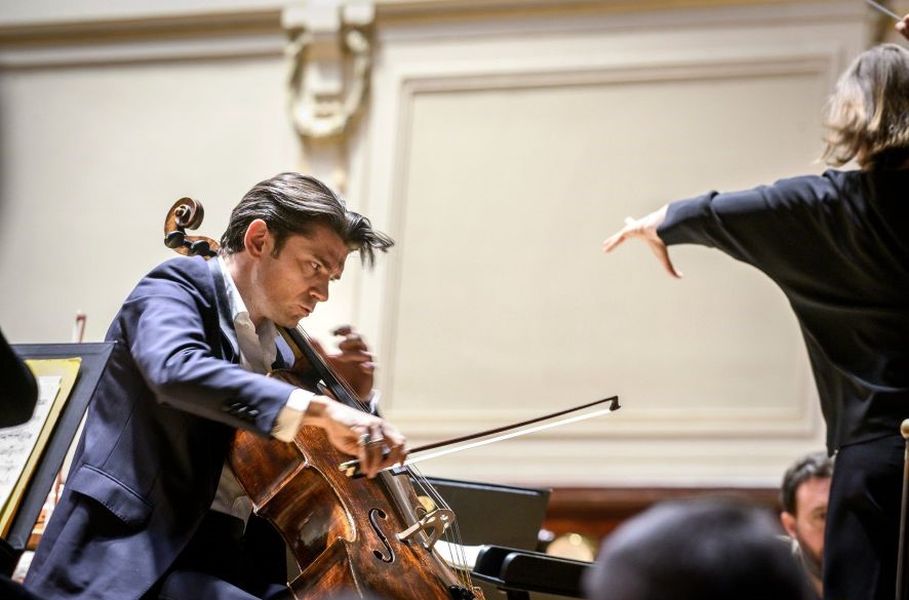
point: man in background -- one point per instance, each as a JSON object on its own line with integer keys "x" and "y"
{"x": 803, "y": 496}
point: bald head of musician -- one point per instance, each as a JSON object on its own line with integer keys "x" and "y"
{"x": 696, "y": 550}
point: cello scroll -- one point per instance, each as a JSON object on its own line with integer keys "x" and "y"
{"x": 187, "y": 213}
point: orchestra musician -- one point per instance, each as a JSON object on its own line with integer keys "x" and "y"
{"x": 151, "y": 509}
{"x": 838, "y": 247}
{"x": 803, "y": 497}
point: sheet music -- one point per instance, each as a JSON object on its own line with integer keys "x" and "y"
{"x": 18, "y": 443}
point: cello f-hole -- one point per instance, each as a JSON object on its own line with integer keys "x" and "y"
{"x": 389, "y": 556}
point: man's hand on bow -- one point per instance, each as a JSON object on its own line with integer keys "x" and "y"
{"x": 376, "y": 442}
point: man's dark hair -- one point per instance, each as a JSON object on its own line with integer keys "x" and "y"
{"x": 816, "y": 464}
{"x": 291, "y": 203}
{"x": 712, "y": 549}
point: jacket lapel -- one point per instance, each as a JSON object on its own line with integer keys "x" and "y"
{"x": 225, "y": 319}
{"x": 285, "y": 357}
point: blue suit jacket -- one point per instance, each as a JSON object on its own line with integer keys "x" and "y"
{"x": 157, "y": 434}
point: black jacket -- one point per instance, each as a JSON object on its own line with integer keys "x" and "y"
{"x": 838, "y": 247}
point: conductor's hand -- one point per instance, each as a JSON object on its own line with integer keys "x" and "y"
{"x": 903, "y": 26}
{"x": 645, "y": 229}
{"x": 375, "y": 441}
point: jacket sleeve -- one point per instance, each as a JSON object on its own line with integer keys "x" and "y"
{"x": 762, "y": 226}
{"x": 169, "y": 326}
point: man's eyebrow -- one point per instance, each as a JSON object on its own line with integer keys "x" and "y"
{"x": 326, "y": 262}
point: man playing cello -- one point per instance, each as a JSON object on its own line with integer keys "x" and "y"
{"x": 150, "y": 508}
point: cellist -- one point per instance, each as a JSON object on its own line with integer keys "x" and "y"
{"x": 151, "y": 509}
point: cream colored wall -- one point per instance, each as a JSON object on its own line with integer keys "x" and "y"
{"x": 499, "y": 150}
{"x": 99, "y": 140}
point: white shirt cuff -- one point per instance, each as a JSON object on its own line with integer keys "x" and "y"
{"x": 291, "y": 416}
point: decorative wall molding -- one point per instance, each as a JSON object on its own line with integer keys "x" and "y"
{"x": 157, "y": 25}
{"x": 153, "y": 27}
{"x": 220, "y": 34}
{"x": 257, "y": 46}
{"x": 327, "y": 42}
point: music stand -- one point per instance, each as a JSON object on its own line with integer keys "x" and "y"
{"x": 94, "y": 360}
{"x": 505, "y": 521}
{"x": 495, "y": 514}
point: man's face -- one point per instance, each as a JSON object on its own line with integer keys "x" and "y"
{"x": 807, "y": 524}
{"x": 288, "y": 286}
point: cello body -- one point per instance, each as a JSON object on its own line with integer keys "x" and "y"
{"x": 341, "y": 531}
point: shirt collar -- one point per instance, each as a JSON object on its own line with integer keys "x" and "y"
{"x": 267, "y": 332}
{"x": 234, "y": 300}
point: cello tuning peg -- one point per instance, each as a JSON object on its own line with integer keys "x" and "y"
{"x": 200, "y": 248}
{"x": 174, "y": 239}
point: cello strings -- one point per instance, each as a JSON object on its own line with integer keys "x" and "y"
{"x": 453, "y": 531}
{"x": 452, "y": 534}
{"x": 422, "y": 486}
{"x": 456, "y": 543}
{"x": 317, "y": 357}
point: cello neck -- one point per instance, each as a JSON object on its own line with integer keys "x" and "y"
{"x": 335, "y": 384}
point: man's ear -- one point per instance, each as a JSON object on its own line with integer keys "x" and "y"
{"x": 257, "y": 239}
{"x": 787, "y": 520}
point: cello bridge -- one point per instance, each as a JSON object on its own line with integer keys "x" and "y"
{"x": 432, "y": 525}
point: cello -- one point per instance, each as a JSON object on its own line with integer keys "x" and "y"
{"x": 363, "y": 535}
